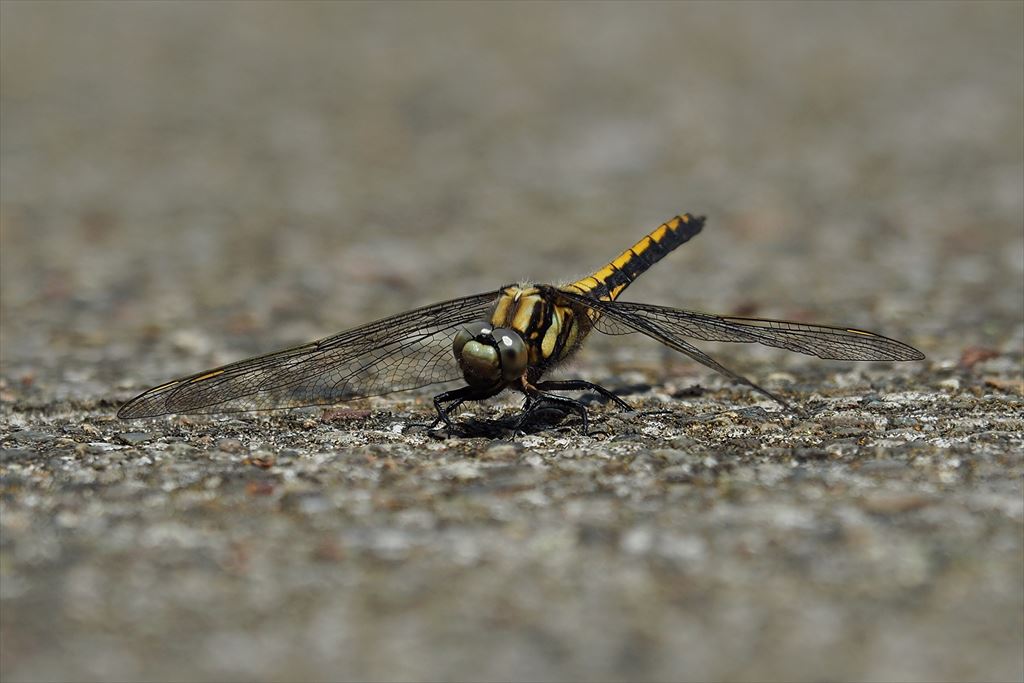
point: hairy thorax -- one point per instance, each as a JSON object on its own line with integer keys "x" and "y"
{"x": 550, "y": 325}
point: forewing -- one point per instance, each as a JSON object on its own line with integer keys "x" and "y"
{"x": 405, "y": 351}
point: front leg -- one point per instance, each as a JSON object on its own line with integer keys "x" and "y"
{"x": 455, "y": 398}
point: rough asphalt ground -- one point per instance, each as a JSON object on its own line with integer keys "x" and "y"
{"x": 183, "y": 185}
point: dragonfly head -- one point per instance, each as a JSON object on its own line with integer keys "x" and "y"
{"x": 489, "y": 355}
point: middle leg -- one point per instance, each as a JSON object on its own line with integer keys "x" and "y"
{"x": 535, "y": 397}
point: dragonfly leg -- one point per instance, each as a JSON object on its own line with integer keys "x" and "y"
{"x": 528, "y": 405}
{"x": 581, "y": 385}
{"x": 533, "y": 403}
{"x": 535, "y": 397}
{"x": 454, "y": 399}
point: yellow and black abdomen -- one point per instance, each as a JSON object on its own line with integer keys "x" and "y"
{"x": 608, "y": 282}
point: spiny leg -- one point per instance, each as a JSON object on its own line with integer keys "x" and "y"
{"x": 582, "y": 385}
{"x": 531, "y": 406}
{"x": 456, "y": 397}
{"x": 536, "y": 397}
{"x": 579, "y": 384}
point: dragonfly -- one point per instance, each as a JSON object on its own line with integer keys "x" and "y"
{"x": 504, "y": 339}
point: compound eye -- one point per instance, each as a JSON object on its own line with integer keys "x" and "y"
{"x": 467, "y": 333}
{"x": 513, "y": 353}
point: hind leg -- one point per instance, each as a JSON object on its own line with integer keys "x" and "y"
{"x": 581, "y": 385}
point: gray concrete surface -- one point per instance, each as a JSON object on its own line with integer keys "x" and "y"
{"x": 187, "y": 184}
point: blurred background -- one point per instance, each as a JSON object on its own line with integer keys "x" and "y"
{"x": 183, "y": 184}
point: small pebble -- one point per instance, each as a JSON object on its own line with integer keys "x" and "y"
{"x": 230, "y": 445}
{"x": 135, "y": 438}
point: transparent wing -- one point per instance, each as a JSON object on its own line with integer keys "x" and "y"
{"x": 670, "y": 325}
{"x": 405, "y": 351}
{"x": 823, "y": 341}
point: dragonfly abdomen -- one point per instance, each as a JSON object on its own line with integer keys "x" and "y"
{"x": 608, "y": 282}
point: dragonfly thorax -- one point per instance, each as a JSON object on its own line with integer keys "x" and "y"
{"x": 489, "y": 356}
